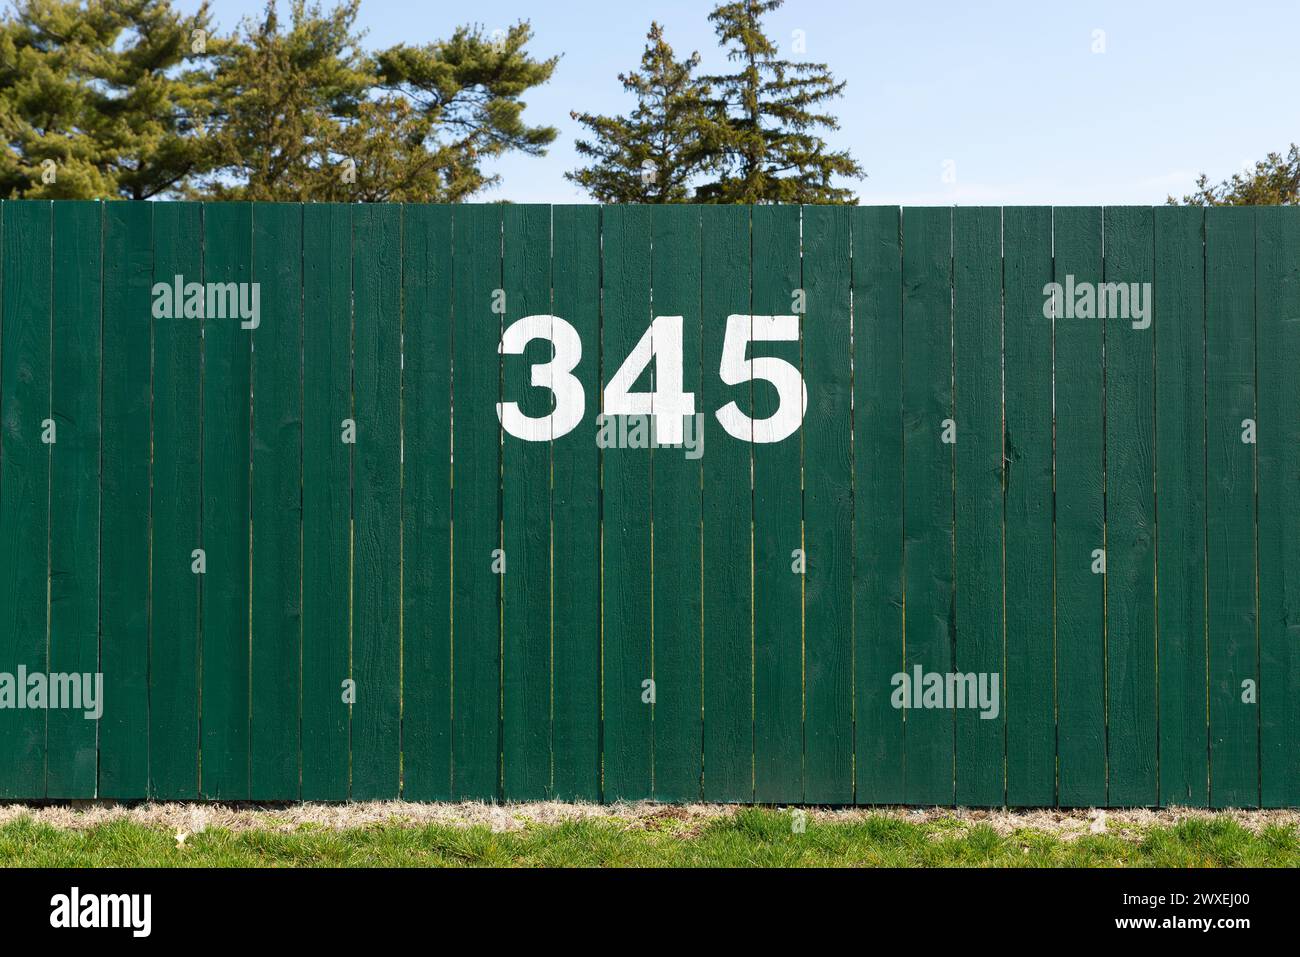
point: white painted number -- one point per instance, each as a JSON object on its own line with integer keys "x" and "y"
{"x": 667, "y": 403}
{"x": 662, "y": 343}
{"x": 556, "y": 375}
{"x": 738, "y": 368}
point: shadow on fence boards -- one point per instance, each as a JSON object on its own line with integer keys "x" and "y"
{"x": 967, "y": 506}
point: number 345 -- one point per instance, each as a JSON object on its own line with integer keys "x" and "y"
{"x": 668, "y": 403}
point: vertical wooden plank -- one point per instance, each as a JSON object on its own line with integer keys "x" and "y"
{"x": 625, "y": 580}
{"x": 25, "y": 485}
{"x": 426, "y": 503}
{"x": 778, "y": 531}
{"x": 176, "y": 509}
{"x": 74, "y": 486}
{"x": 1029, "y": 652}
{"x": 125, "y": 474}
{"x": 877, "y": 502}
{"x": 224, "y": 721}
{"x": 377, "y": 517}
{"x": 727, "y": 512}
{"x": 1080, "y": 505}
{"x": 676, "y": 260}
{"x": 928, "y": 495}
{"x": 977, "y": 399}
{"x": 476, "y": 487}
{"x": 1179, "y": 322}
{"x": 1278, "y": 301}
{"x": 828, "y": 506}
{"x": 326, "y": 500}
{"x": 526, "y": 516}
{"x": 1130, "y": 510}
{"x": 575, "y": 719}
{"x": 276, "y": 636}
{"x": 1230, "y": 521}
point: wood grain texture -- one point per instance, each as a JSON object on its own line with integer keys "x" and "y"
{"x": 227, "y": 406}
{"x": 1029, "y": 651}
{"x": 443, "y": 611}
{"x": 929, "y": 638}
{"x": 877, "y": 502}
{"x": 828, "y": 507}
{"x": 575, "y": 506}
{"x": 25, "y": 333}
{"x": 1080, "y": 574}
{"x": 326, "y": 500}
{"x": 977, "y": 400}
{"x": 74, "y": 524}
{"x": 676, "y": 259}
{"x": 1278, "y": 324}
{"x": 1130, "y": 514}
{"x": 376, "y": 509}
{"x": 426, "y": 502}
{"x": 176, "y": 506}
{"x": 1179, "y": 322}
{"x": 526, "y": 518}
{"x": 778, "y": 529}
{"x": 727, "y": 514}
{"x": 124, "y": 484}
{"x": 476, "y": 506}
{"x": 276, "y": 635}
{"x": 626, "y": 549}
{"x": 1230, "y": 518}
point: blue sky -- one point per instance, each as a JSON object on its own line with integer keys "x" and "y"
{"x": 1007, "y": 98}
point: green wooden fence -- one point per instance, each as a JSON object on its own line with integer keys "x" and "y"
{"x": 365, "y": 534}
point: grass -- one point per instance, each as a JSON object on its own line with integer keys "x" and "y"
{"x": 749, "y": 838}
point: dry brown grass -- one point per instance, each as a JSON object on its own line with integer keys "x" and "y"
{"x": 682, "y": 819}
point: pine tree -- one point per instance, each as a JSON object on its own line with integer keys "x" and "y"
{"x": 102, "y": 98}
{"x": 766, "y": 116}
{"x": 651, "y": 155}
{"x": 461, "y": 99}
{"x": 283, "y": 94}
{"x": 1275, "y": 181}
{"x": 383, "y": 148}
{"x": 128, "y": 98}
{"x": 308, "y": 115}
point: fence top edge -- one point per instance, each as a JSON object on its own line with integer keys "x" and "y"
{"x": 650, "y": 206}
